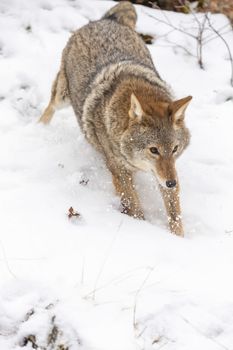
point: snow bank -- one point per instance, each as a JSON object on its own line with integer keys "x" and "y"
{"x": 114, "y": 281}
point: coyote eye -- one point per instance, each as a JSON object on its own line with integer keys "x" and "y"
{"x": 175, "y": 149}
{"x": 154, "y": 150}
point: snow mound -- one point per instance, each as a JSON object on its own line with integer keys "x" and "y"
{"x": 30, "y": 319}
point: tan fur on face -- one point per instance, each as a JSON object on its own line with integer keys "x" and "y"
{"x": 165, "y": 168}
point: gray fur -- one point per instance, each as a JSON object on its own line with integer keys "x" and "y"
{"x": 123, "y": 106}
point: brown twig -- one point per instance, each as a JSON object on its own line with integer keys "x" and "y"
{"x": 201, "y": 29}
{"x": 226, "y": 44}
{"x": 168, "y": 22}
{"x": 198, "y": 38}
{"x": 201, "y": 38}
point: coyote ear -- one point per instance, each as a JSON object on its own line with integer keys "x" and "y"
{"x": 135, "y": 111}
{"x": 178, "y": 108}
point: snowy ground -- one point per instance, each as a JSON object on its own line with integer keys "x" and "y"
{"x": 110, "y": 281}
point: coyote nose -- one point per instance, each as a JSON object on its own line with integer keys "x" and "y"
{"x": 171, "y": 183}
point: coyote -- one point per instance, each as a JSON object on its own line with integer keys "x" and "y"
{"x": 123, "y": 107}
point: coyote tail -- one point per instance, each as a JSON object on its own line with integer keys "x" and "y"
{"x": 123, "y": 13}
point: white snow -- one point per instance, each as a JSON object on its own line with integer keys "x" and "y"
{"x": 113, "y": 282}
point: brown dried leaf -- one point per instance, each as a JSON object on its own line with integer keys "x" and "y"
{"x": 73, "y": 213}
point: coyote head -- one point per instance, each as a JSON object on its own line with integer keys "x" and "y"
{"x": 156, "y": 136}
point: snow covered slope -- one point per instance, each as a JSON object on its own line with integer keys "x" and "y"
{"x": 105, "y": 280}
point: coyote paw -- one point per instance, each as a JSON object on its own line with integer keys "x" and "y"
{"x": 176, "y": 228}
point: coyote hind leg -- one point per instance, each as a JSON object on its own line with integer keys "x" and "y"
{"x": 59, "y": 97}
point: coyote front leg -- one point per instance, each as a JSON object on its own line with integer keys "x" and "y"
{"x": 171, "y": 200}
{"x": 123, "y": 182}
